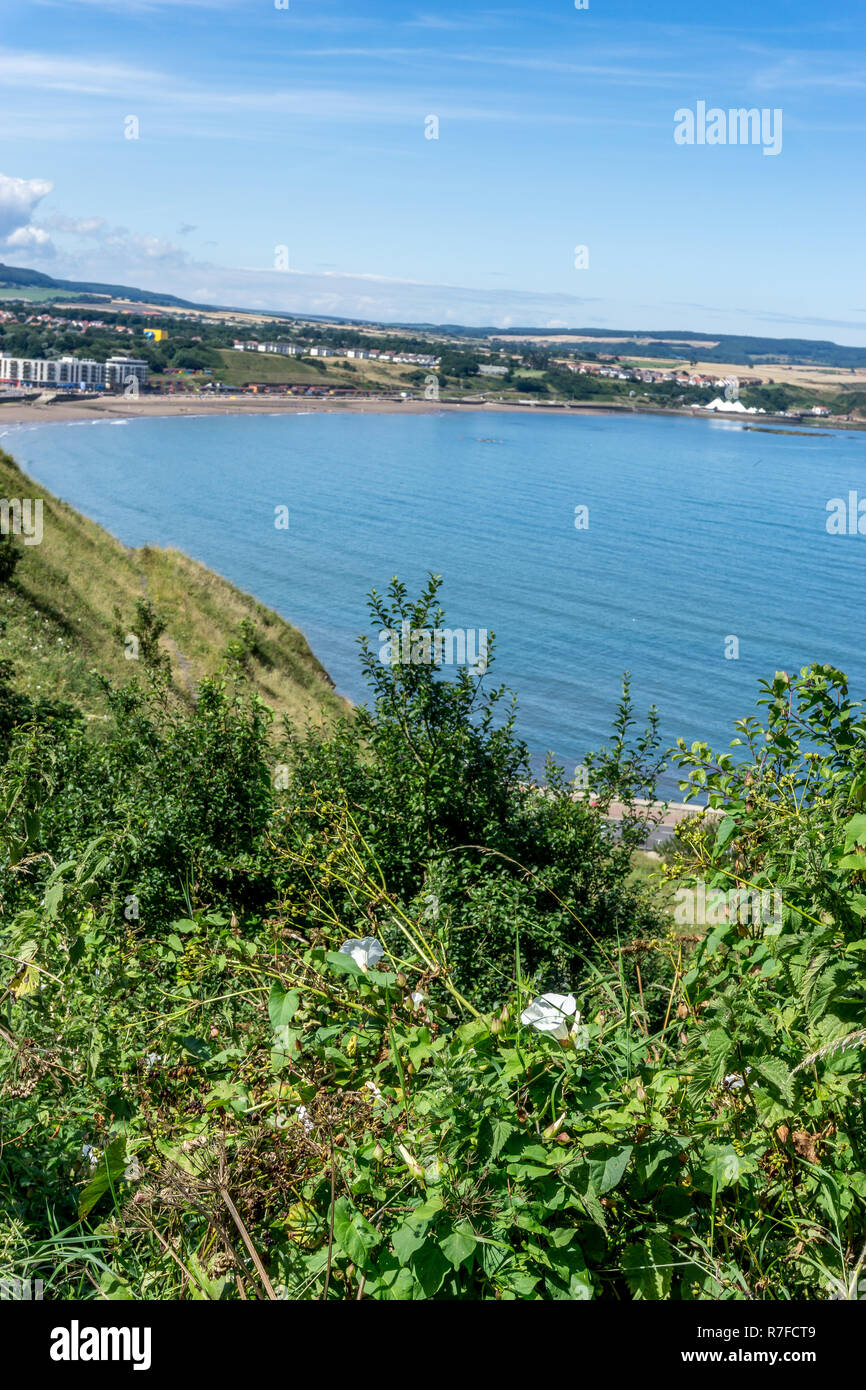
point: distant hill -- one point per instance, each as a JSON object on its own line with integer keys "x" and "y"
{"x": 681, "y": 344}
{"x": 14, "y": 277}
{"x": 686, "y": 344}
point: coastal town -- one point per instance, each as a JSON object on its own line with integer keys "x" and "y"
{"x": 57, "y": 353}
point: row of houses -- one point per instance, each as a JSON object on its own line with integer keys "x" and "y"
{"x": 285, "y": 349}
{"x": 414, "y": 359}
{"x": 79, "y": 373}
{"x": 650, "y": 375}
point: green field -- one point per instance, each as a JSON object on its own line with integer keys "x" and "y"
{"x": 244, "y": 367}
{"x": 32, "y": 294}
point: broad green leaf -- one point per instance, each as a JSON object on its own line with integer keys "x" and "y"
{"x": 353, "y": 1233}
{"x": 107, "y": 1174}
{"x": 53, "y": 898}
{"x": 391, "y": 1282}
{"x": 282, "y": 1004}
{"x": 343, "y": 964}
{"x": 647, "y": 1268}
{"x": 606, "y": 1168}
{"x": 493, "y": 1135}
{"x": 777, "y": 1076}
{"x": 115, "y": 1287}
{"x": 724, "y": 1166}
{"x": 855, "y": 831}
{"x": 459, "y": 1246}
{"x": 430, "y": 1267}
{"x": 410, "y": 1237}
{"x": 286, "y": 1046}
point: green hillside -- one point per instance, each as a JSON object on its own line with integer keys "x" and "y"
{"x": 20, "y": 282}
{"x": 75, "y": 596}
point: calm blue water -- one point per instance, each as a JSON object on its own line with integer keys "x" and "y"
{"x": 698, "y": 530}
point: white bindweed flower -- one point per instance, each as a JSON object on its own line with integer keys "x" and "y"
{"x": 554, "y": 1014}
{"x": 735, "y": 1082}
{"x": 133, "y": 1170}
{"x": 302, "y": 1115}
{"x": 373, "y": 1089}
{"x": 417, "y": 1000}
{"x": 365, "y": 953}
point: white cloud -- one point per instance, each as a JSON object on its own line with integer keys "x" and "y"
{"x": 18, "y": 199}
{"x": 31, "y": 239}
{"x": 84, "y": 76}
{"x": 76, "y": 226}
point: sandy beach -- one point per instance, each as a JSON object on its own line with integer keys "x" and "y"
{"x": 16, "y": 412}
{"x": 120, "y": 407}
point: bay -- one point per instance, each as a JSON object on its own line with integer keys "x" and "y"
{"x": 698, "y": 531}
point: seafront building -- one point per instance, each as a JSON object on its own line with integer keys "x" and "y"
{"x": 79, "y": 373}
{"x": 51, "y": 371}
{"x": 120, "y": 371}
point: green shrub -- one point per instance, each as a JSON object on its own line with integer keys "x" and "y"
{"x": 204, "y": 1096}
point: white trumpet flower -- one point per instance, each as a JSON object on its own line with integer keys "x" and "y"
{"x": 366, "y": 953}
{"x": 554, "y": 1014}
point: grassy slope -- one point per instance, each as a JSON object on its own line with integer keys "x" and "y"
{"x": 60, "y": 616}
{"x": 365, "y": 375}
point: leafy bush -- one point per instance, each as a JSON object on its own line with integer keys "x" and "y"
{"x": 212, "y": 1088}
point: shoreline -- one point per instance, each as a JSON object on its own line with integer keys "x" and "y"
{"x": 172, "y": 407}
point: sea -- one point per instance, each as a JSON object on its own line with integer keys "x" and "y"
{"x": 693, "y": 553}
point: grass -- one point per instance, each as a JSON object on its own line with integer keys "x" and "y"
{"x": 31, "y": 293}
{"x": 242, "y": 367}
{"x": 61, "y": 622}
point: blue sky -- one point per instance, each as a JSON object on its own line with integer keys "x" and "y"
{"x": 261, "y": 127}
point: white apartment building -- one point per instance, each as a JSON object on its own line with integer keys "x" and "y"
{"x": 284, "y": 349}
{"x": 72, "y": 371}
{"x": 51, "y": 371}
{"x": 118, "y": 371}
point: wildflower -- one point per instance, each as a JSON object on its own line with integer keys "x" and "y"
{"x": 90, "y": 1154}
{"x": 411, "y": 1163}
{"x": 554, "y": 1014}
{"x": 373, "y": 1089}
{"x": 133, "y": 1170}
{"x": 417, "y": 999}
{"x": 302, "y": 1115}
{"x": 735, "y": 1081}
{"x": 553, "y": 1129}
{"x": 366, "y": 953}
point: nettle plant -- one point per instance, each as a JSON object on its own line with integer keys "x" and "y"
{"x": 382, "y": 1137}
{"x": 308, "y": 1091}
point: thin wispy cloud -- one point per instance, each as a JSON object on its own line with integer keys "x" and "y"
{"x": 306, "y": 127}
